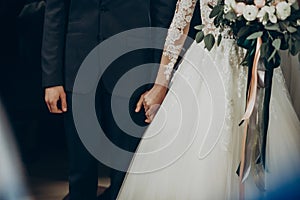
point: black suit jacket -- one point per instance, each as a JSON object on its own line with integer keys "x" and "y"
{"x": 74, "y": 27}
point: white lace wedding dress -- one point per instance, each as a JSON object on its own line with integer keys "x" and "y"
{"x": 192, "y": 148}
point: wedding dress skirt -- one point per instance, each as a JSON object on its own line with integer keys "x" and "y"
{"x": 192, "y": 148}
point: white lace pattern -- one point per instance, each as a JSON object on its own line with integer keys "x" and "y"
{"x": 173, "y": 45}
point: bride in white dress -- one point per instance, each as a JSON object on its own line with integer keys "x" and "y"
{"x": 191, "y": 150}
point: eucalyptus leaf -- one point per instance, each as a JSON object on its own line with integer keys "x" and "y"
{"x": 255, "y": 35}
{"x": 284, "y": 43}
{"x": 199, "y": 27}
{"x": 219, "y": 39}
{"x": 210, "y": 6}
{"x": 283, "y": 24}
{"x": 272, "y": 27}
{"x": 276, "y": 43}
{"x": 295, "y": 5}
{"x": 244, "y": 62}
{"x": 292, "y": 48}
{"x": 215, "y": 11}
{"x": 272, "y": 55}
{"x": 245, "y": 30}
{"x": 291, "y": 29}
{"x": 218, "y": 20}
{"x": 230, "y": 16}
{"x": 199, "y": 36}
{"x": 209, "y": 41}
{"x": 246, "y": 58}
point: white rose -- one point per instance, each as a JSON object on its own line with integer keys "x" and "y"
{"x": 239, "y": 8}
{"x": 266, "y": 10}
{"x": 261, "y": 14}
{"x": 250, "y": 12}
{"x": 269, "y": 9}
{"x": 259, "y": 3}
{"x": 283, "y": 10}
{"x": 273, "y": 18}
{"x": 226, "y": 9}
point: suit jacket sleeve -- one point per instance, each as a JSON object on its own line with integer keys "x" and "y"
{"x": 54, "y": 42}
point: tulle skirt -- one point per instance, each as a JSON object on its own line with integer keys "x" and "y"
{"x": 192, "y": 148}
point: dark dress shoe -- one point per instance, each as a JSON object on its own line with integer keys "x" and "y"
{"x": 106, "y": 195}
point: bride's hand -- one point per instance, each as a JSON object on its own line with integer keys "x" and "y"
{"x": 151, "y": 101}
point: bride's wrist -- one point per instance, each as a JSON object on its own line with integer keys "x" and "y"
{"x": 160, "y": 87}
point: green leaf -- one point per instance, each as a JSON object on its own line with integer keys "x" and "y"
{"x": 255, "y": 35}
{"x": 199, "y": 36}
{"x": 219, "y": 39}
{"x": 218, "y": 20}
{"x": 295, "y": 5}
{"x": 272, "y": 55}
{"x": 245, "y": 30}
{"x": 244, "y": 62}
{"x": 220, "y": 2}
{"x": 210, "y": 6}
{"x": 292, "y": 47}
{"x": 215, "y": 11}
{"x": 199, "y": 27}
{"x": 291, "y": 29}
{"x": 230, "y": 16}
{"x": 284, "y": 42}
{"x": 272, "y": 27}
{"x": 276, "y": 43}
{"x": 246, "y": 58}
{"x": 209, "y": 41}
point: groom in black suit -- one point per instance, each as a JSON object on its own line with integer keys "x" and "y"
{"x": 72, "y": 29}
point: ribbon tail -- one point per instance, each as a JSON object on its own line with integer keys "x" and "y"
{"x": 253, "y": 82}
{"x": 249, "y": 135}
{"x": 266, "y": 114}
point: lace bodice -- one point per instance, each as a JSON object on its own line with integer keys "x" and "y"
{"x": 179, "y": 29}
{"x": 205, "y": 11}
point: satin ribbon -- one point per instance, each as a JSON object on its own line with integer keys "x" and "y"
{"x": 250, "y": 118}
{"x": 253, "y": 83}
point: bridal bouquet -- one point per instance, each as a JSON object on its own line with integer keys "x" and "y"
{"x": 263, "y": 28}
{"x": 277, "y": 22}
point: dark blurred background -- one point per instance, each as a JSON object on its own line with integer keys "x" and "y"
{"x": 39, "y": 134}
{"x": 20, "y": 78}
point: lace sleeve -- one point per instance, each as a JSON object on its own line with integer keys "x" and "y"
{"x": 175, "y": 39}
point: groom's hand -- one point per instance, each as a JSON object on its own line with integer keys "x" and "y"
{"x": 53, "y": 97}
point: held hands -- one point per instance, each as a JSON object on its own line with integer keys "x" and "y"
{"x": 151, "y": 100}
{"x": 55, "y": 96}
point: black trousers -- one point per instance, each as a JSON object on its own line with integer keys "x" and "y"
{"x": 82, "y": 165}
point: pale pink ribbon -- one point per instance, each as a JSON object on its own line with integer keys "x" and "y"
{"x": 251, "y": 100}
